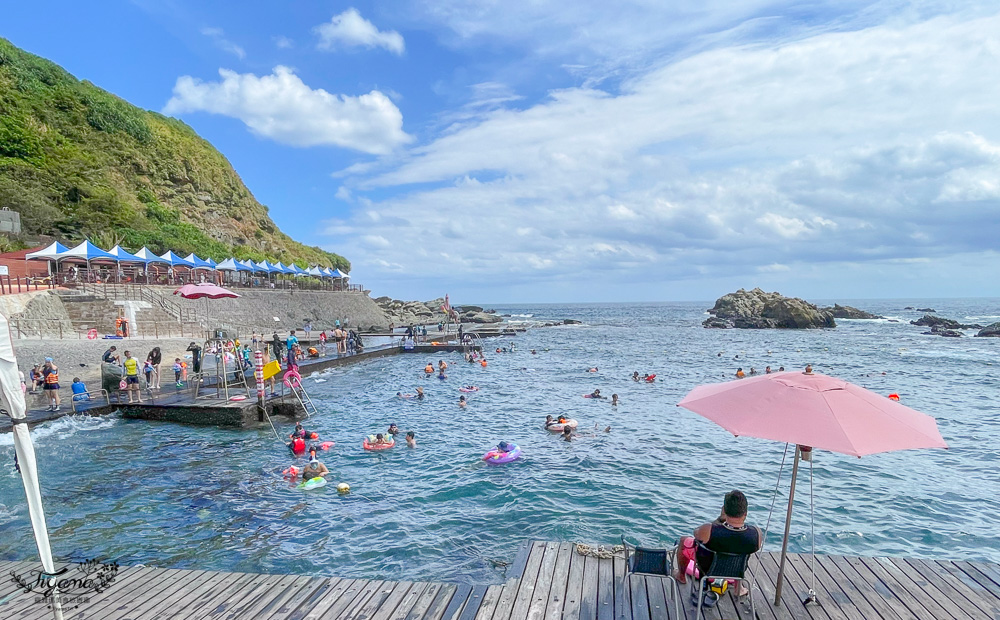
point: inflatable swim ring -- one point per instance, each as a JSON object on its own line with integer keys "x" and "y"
{"x": 499, "y": 458}
{"x": 650, "y": 378}
{"x": 558, "y": 428}
{"x": 326, "y": 445}
{"x": 471, "y": 388}
{"x": 313, "y": 483}
{"x": 592, "y": 396}
{"x": 380, "y": 446}
{"x": 292, "y": 379}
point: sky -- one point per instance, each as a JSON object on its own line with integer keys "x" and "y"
{"x": 589, "y": 151}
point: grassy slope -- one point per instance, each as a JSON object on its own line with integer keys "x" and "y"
{"x": 78, "y": 162}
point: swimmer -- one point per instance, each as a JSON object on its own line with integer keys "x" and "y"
{"x": 594, "y": 369}
{"x": 596, "y": 394}
{"x": 502, "y": 448}
{"x": 498, "y": 349}
{"x": 298, "y": 432}
{"x": 298, "y": 445}
{"x": 739, "y": 373}
{"x": 635, "y": 376}
{"x": 380, "y": 439}
{"x": 483, "y": 363}
{"x": 420, "y": 393}
{"x": 315, "y": 469}
{"x": 534, "y": 352}
{"x": 411, "y": 439}
{"x": 809, "y": 369}
{"x": 393, "y": 429}
{"x": 461, "y": 401}
{"x": 442, "y": 365}
{"x": 549, "y": 421}
{"x": 781, "y": 369}
{"x": 753, "y": 371}
{"x": 429, "y": 369}
{"x": 567, "y": 433}
{"x": 767, "y": 370}
{"x": 614, "y": 400}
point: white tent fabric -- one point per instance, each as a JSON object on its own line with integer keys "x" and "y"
{"x": 51, "y": 252}
{"x": 12, "y": 401}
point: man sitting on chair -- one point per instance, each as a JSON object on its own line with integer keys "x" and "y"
{"x": 728, "y": 534}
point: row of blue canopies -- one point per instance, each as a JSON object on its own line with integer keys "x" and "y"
{"x": 88, "y": 252}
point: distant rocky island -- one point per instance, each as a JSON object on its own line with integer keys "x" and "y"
{"x": 758, "y": 309}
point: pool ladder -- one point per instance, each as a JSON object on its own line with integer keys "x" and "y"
{"x": 303, "y": 397}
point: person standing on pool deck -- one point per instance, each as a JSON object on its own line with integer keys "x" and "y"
{"x": 290, "y": 343}
{"x": 195, "y": 356}
{"x": 155, "y": 358}
{"x": 131, "y": 366}
{"x": 50, "y": 377}
{"x": 276, "y": 346}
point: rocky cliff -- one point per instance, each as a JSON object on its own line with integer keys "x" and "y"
{"x": 758, "y": 309}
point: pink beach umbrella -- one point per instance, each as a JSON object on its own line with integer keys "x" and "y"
{"x": 812, "y": 410}
{"x": 205, "y": 289}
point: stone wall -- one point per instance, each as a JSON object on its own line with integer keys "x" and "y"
{"x": 37, "y": 314}
{"x": 257, "y": 310}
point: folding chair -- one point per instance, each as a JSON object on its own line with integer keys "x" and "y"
{"x": 647, "y": 561}
{"x": 728, "y": 566}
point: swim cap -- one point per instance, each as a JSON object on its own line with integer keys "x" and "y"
{"x": 48, "y": 359}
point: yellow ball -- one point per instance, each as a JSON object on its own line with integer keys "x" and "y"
{"x": 343, "y": 487}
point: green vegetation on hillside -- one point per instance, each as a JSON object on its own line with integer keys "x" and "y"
{"x": 78, "y": 162}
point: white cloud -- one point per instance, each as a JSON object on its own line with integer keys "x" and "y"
{"x": 349, "y": 30}
{"x": 867, "y": 145}
{"x": 218, "y": 36}
{"x": 282, "y": 42}
{"x": 280, "y": 106}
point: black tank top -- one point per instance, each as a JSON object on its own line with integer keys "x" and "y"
{"x": 726, "y": 540}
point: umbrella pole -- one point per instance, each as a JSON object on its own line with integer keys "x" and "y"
{"x": 788, "y": 526}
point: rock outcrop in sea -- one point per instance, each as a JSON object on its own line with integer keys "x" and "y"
{"x": 429, "y": 312}
{"x": 849, "y": 312}
{"x": 758, "y": 309}
{"x": 937, "y": 321}
{"x": 990, "y": 331}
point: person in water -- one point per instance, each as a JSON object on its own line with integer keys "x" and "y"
{"x": 429, "y": 369}
{"x": 739, "y": 373}
{"x": 393, "y": 429}
{"x": 411, "y": 439}
{"x": 381, "y": 439}
{"x": 314, "y": 469}
{"x": 549, "y": 421}
{"x": 635, "y": 376}
{"x": 614, "y": 400}
{"x": 462, "y": 402}
{"x": 420, "y": 393}
{"x": 442, "y": 365}
{"x": 298, "y": 445}
{"x": 442, "y": 376}
{"x": 503, "y": 448}
{"x": 596, "y": 394}
{"x": 809, "y": 369}
{"x": 567, "y": 433}
{"x": 594, "y": 369}
{"x": 767, "y": 370}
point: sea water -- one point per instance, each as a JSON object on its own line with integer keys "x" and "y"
{"x": 196, "y": 497}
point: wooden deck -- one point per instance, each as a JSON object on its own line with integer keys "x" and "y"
{"x": 550, "y": 581}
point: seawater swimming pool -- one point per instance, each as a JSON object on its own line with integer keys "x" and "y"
{"x": 177, "y": 496}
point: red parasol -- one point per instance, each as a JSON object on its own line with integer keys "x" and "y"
{"x": 205, "y": 289}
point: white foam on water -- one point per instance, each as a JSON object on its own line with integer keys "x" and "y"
{"x": 64, "y": 427}
{"x": 524, "y": 316}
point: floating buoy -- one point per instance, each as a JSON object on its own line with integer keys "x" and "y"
{"x": 343, "y": 488}
{"x": 894, "y": 396}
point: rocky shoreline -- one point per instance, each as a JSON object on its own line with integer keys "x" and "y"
{"x": 401, "y": 312}
{"x": 758, "y": 309}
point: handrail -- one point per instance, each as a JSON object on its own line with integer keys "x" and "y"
{"x": 102, "y": 391}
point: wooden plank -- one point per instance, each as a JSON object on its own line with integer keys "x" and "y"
{"x": 440, "y": 603}
{"x": 639, "y": 601}
{"x": 271, "y": 600}
{"x": 985, "y": 579}
{"x": 423, "y": 602}
{"x": 971, "y": 577}
{"x": 328, "y": 600}
{"x": 882, "y": 599}
{"x": 791, "y": 604}
{"x": 574, "y": 587}
{"x": 560, "y": 578}
{"x": 148, "y": 586}
{"x": 24, "y": 606}
{"x": 521, "y": 559}
{"x": 605, "y": 589}
{"x": 621, "y": 603}
{"x": 869, "y": 606}
{"x": 390, "y": 604}
{"x": 519, "y": 591}
{"x": 471, "y": 608}
{"x": 354, "y": 595}
{"x": 925, "y": 596}
{"x": 489, "y": 604}
{"x": 195, "y": 601}
{"x": 968, "y": 587}
{"x": 990, "y": 570}
{"x": 375, "y": 592}
{"x": 854, "y": 568}
{"x": 531, "y": 601}
{"x": 656, "y": 596}
{"x": 262, "y": 594}
{"x": 219, "y": 605}
{"x": 458, "y": 601}
{"x": 408, "y": 601}
{"x": 588, "y": 596}
{"x": 956, "y": 592}
{"x": 762, "y": 600}
{"x": 160, "y": 595}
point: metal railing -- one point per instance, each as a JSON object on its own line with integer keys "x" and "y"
{"x": 62, "y": 329}
{"x": 76, "y": 400}
{"x": 24, "y": 284}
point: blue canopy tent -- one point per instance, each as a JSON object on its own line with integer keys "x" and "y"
{"x": 86, "y": 252}
{"x": 124, "y": 257}
{"x": 176, "y": 261}
{"x": 315, "y": 271}
{"x": 299, "y": 271}
{"x": 48, "y": 254}
{"x": 231, "y": 264}
{"x": 198, "y": 263}
{"x": 149, "y": 257}
{"x": 211, "y": 263}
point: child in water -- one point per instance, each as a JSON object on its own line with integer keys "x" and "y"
{"x": 462, "y": 402}
{"x": 614, "y": 400}
{"x": 411, "y": 441}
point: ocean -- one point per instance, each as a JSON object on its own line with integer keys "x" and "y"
{"x": 189, "y": 497}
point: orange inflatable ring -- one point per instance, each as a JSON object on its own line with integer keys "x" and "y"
{"x": 92, "y": 334}
{"x": 894, "y": 397}
{"x": 293, "y": 379}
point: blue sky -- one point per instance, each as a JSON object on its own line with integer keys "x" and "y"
{"x": 526, "y": 151}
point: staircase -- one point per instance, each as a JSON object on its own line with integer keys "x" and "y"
{"x": 88, "y": 312}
